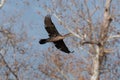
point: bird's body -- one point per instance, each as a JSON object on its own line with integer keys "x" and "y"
{"x": 52, "y": 39}
{"x": 54, "y": 35}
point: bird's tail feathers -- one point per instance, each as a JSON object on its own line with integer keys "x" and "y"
{"x": 43, "y": 41}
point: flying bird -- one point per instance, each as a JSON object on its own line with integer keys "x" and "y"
{"x": 54, "y": 35}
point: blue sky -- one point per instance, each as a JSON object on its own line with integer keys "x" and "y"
{"x": 28, "y": 16}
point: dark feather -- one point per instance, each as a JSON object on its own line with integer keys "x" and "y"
{"x": 43, "y": 41}
{"x": 50, "y": 27}
{"x": 61, "y": 45}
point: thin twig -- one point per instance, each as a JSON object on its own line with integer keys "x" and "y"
{"x": 78, "y": 36}
{"x": 9, "y": 68}
{"x": 114, "y": 36}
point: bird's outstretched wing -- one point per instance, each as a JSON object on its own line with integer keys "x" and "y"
{"x": 50, "y": 27}
{"x": 61, "y": 45}
{"x": 52, "y": 31}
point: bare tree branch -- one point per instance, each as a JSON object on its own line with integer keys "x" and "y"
{"x": 96, "y": 65}
{"x": 9, "y": 68}
{"x": 89, "y": 20}
{"x": 2, "y": 3}
{"x": 103, "y": 38}
{"x": 78, "y": 36}
{"x": 90, "y": 42}
{"x": 114, "y": 36}
{"x": 106, "y": 22}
